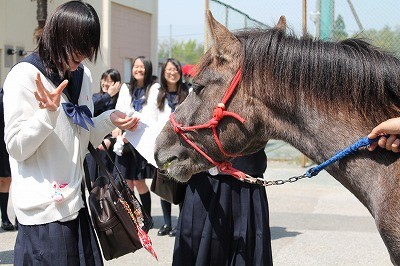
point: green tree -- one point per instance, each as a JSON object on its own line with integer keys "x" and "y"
{"x": 187, "y": 52}
{"x": 339, "y": 29}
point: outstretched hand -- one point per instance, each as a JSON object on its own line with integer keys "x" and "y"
{"x": 124, "y": 122}
{"x": 390, "y": 127}
{"x": 46, "y": 99}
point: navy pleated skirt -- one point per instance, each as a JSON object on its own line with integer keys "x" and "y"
{"x": 133, "y": 166}
{"x": 71, "y": 243}
{"x": 223, "y": 222}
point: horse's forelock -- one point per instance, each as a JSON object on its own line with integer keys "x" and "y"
{"x": 352, "y": 75}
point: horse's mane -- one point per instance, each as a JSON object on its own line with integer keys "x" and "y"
{"x": 352, "y": 75}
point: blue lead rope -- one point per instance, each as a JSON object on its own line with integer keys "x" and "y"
{"x": 363, "y": 142}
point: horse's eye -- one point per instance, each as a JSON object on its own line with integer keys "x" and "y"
{"x": 197, "y": 87}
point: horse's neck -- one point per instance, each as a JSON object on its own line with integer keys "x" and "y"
{"x": 320, "y": 136}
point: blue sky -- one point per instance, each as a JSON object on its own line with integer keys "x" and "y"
{"x": 185, "y": 18}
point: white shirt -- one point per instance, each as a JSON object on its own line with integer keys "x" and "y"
{"x": 150, "y": 110}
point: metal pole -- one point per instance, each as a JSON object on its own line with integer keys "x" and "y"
{"x": 353, "y": 10}
{"x": 304, "y": 18}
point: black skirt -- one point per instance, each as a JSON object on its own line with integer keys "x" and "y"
{"x": 133, "y": 166}
{"x": 223, "y": 222}
{"x": 5, "y": 170}
{"x": 4, "y": 160}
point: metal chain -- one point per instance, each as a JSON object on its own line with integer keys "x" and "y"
{"x": 262, "y": 182}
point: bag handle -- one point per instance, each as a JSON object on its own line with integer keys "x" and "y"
{"x": 109, "y": 157}
{"x": 103, "y": 167}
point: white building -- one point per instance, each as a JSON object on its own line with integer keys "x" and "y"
{"x": 128, "y": 29}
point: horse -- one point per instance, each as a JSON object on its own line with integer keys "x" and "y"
{"x": 318, "y": 96}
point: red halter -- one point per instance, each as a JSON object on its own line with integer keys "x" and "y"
{"x": 218, "y": 113}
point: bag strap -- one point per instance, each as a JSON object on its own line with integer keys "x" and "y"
{"x": 103, "y": 167}
{"x": 109, "y": 157}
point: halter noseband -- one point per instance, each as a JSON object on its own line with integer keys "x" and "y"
{"x": 218, "y": 113}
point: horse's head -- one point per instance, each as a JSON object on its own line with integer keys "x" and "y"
{"x": 213, "y": 76}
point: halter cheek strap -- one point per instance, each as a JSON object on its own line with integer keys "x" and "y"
{"x": 218, "y": 114}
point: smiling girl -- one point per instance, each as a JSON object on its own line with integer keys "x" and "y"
{"x": 161, "y": 104}
{"x": 134, "y": 101}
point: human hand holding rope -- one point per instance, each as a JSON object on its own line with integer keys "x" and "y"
{"x": 389, "y": 131}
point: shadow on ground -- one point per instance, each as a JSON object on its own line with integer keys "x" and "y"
{"x": 280, "y": 232}
{"x": 158, "y": 221}
{"x": 7, "y": 257}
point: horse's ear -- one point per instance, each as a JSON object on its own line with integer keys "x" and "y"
{"x": 225, "y": 43}
{"x": 281, "y": 25}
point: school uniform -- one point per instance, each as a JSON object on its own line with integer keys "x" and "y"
{"x": 224, "y": 221}
{"x": 47, "y": 151}
{"x": 160, "y": 118}
{"x": 131, "y": 164}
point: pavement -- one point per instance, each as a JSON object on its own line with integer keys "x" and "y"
{"x": 313, "y": 222}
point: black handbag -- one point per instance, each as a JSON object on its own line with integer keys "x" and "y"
{"x": 168, "y": 188}
{"x": 120, "y": 222}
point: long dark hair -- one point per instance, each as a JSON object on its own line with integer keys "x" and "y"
{"x": 148, "y": 77}
{"x": 73, "y": 28}
{"x": 182, "y": 91}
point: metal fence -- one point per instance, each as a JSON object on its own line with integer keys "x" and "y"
{"x": 231, "y": 17}
{"x": 378, "y": 21}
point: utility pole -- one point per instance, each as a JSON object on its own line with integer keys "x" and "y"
{"x": 327, "y": 18}
{"x": 304, "y": 18}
